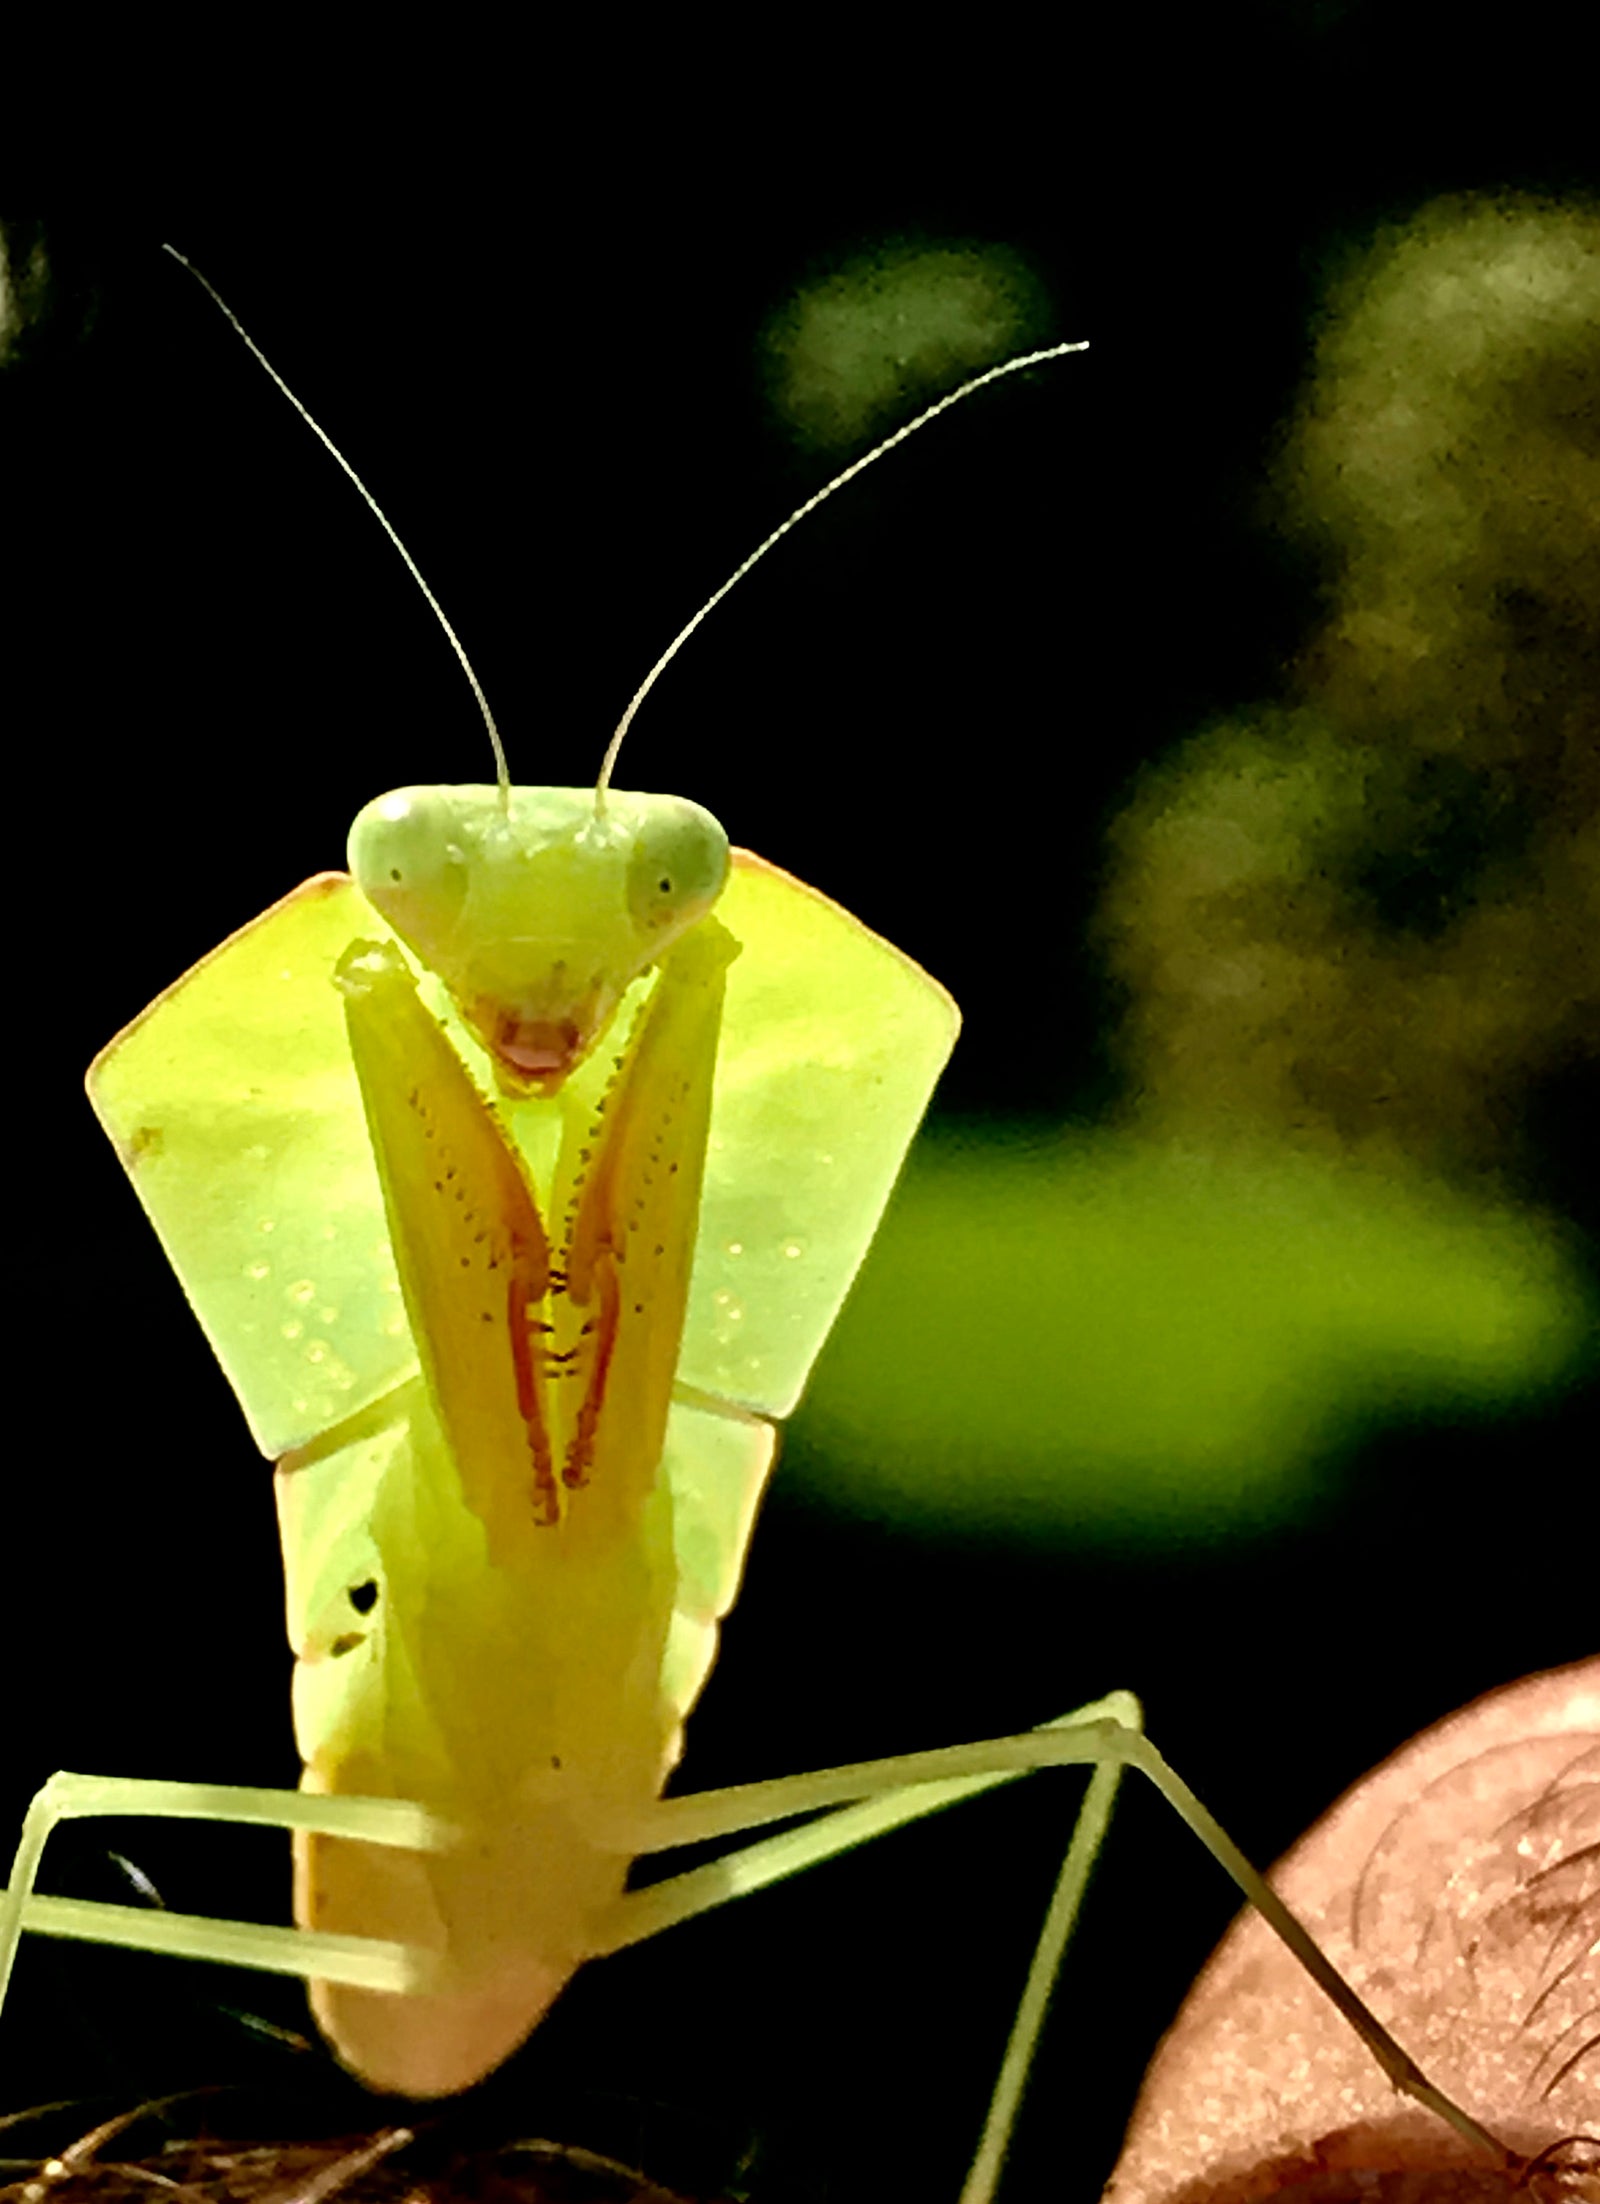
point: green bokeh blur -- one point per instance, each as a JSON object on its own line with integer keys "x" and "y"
{"x": 1101, "y": 1337}
{"x": 1350, "y": 933}
{"x": 861, "y": 343}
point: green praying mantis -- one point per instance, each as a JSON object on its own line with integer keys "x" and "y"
{"x": 517, "y": 1179}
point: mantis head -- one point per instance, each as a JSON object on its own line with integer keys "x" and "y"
{"x": 537, "y": 908}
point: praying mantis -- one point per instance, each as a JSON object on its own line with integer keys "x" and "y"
{"x": 541, "y": 1047}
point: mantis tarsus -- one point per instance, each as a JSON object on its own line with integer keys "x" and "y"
{"x": 493, "y": 1967}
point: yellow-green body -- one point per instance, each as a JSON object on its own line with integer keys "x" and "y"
{"x": 515, "y": 1351}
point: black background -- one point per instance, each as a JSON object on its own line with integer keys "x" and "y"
{"x": 549, "y": 376}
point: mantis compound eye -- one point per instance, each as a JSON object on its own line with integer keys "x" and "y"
{"x": 678, "y": 867}
{"x": 408, "y": 859}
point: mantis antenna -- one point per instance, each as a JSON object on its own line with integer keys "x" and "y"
{"x": 856, "y": 466}
{"x": 800, "y": 513}
{"x": 502, "y": 773}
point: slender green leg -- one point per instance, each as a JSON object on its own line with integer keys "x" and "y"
{"x": 1105, "y": 1736}
{"x": 368, "y": 1962}
{"x": 856, "y": 1803}
{"x": 644, "y": 1913}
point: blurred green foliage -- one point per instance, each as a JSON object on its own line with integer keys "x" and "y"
{"x": 859, "y": 346}
{"x": 1366, "y": 918}
{"x": 1104, "y": 1337}
{"x": 1356, "y": 931}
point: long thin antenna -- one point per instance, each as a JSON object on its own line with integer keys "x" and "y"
{"x": 502, "y": 774}
{"x": 856, "y": 466}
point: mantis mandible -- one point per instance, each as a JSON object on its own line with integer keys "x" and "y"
{"x": 517, "y": 1180}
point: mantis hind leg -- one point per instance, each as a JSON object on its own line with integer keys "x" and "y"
{"x": 870, "y": 1798}
{"x": 855, "y": 1804}
{"x": 366, "y": 1962}
{"x": 644, "y": 1913}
